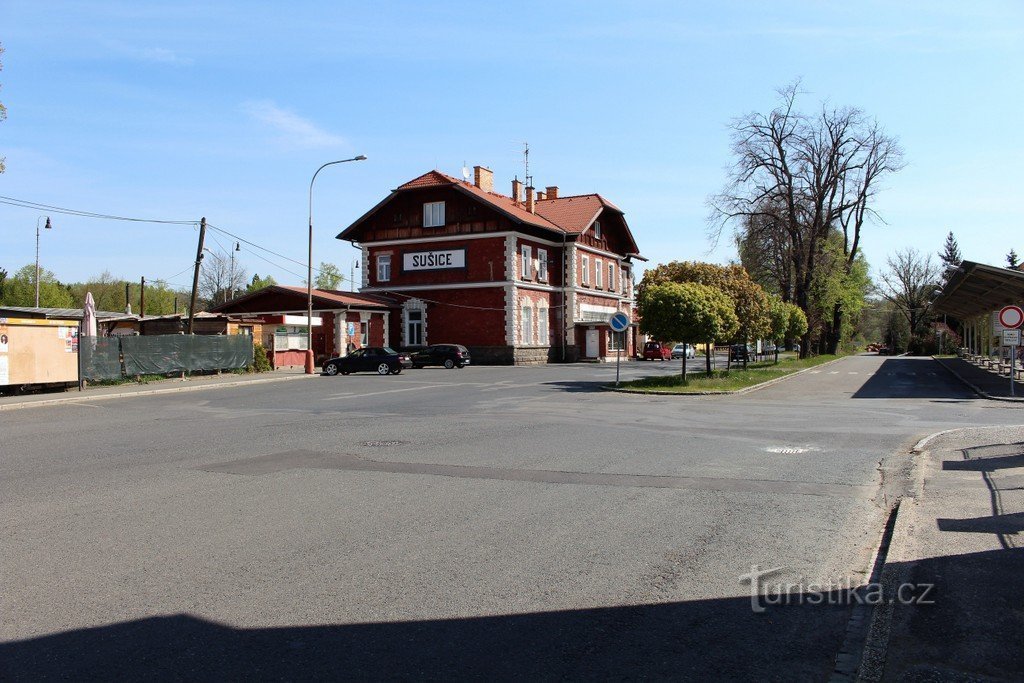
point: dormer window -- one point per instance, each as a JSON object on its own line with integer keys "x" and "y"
{"x": 597, "y": 230}
{"x": 433, "y": 215}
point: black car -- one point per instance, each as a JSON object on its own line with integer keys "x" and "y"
{"x": 741, "y": 352}
{"x": 379, "y": 359}
{"x": 448, "y": 355}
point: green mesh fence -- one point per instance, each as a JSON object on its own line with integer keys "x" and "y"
{"x": 161, "y": 354}
{"x": 100, "y": 358}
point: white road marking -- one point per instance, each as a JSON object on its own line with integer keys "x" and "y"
{"x": 834, "y": 372}
{"x": 389, "y": 391}
{"x": 852, "y": 373}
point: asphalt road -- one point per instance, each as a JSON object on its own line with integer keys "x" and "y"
{"x": 485, "y": 522}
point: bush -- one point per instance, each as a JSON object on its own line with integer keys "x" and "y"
{"x": 260, "y": 361}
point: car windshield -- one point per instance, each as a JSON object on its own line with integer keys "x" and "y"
{"x": 388, "y": 349}
{"x": 356, "y": 353}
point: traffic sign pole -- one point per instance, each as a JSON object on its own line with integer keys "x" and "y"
{"x": 618, "y": 322}
{"x": 1011, "y": 318}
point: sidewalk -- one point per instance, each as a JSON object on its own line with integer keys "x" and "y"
{"x": 165, "y": 386}
{"x": 983, "y": 382}
{"x": 961, "y": 533}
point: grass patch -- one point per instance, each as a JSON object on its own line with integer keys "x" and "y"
{"x": 726, "y": 380}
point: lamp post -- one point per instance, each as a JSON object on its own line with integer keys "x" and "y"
{"x": 48, "y": 227}
{"x": 310, "y": 358}
{"x": 352, "y": 280}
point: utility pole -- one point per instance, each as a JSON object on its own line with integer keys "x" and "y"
{"x": 142, "y": 297}
{"x": 127, "y": 298}
{"x": 195, "y": 276}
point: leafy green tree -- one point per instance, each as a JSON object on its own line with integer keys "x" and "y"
{"x": 259, "y": 283}
{"x": 3, "y": 281}
{"x": 1012, "y": 261}
{"x": 836, "y": 296}
{"x": 749, "y": 300}
{"x": 687, "y": 311}
{"x": 20, "y": 289}
{"x": 329, "y": 276}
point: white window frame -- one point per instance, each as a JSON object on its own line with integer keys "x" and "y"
{"x": 527, "y": 262}
{"x": 616, "y": 341}
{"x": 598, "y": 274}
{"x": 433, "y": 215}
{"x": 542, "y": 265}
{"x": 597, "y": 230}
{"x": 611, "y": 276}
{"x": 623, "y": 278}
{"x": 364, "y": 333}
{"x": 543, "y": 335}
{"x": 421, "y": 324}
{"x": 384, "y": 268}
{"x": 526, "y": 324}
{"x": 585, "y": 271}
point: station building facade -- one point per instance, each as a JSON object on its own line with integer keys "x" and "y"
{"x": 530, "y": 277}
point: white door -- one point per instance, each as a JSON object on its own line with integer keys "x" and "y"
{"x": 592, "y": 338}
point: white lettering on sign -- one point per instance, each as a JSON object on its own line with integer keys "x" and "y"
{"x": 434, "y": 260}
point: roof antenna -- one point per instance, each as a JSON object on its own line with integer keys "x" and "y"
{"x": 526, "y": 163}
{"x": 465, "y": 171}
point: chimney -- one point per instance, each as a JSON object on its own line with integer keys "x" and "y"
{"x": 552, "y": 191}
{"x": 517, "y": 191}
{"x": 483, "y": 178}
{"x": 530, "y": 206}
{"x": 541, "y": 196}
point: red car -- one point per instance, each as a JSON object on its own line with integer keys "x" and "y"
{"x": 657, "y": 351}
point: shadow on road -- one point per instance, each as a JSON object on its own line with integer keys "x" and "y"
{"x": 920, "y": 378}
{"x": 678, "y": 640}
{"x": 968, "y": 626}
{"x": 579, "y": 386}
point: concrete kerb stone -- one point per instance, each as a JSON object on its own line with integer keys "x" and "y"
{"x": 744, "y": 390}
{"x": 976, "y": 389}
{"x": 84, "y": 397}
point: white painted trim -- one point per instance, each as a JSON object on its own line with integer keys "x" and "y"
{"x": 600, "y": 252}
{"x": 457, "y": 238}
{"x": 458, "y": 285}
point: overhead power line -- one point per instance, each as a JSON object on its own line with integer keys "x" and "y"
{"x": 36, "y": 206}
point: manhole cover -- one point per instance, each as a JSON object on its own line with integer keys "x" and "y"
{"x": 381, "y": 444}
{"x": 788, "y": 450}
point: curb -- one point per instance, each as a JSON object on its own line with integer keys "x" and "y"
{"x": 146, "y": 392}
{"x": 975, "y": 389}
{"x": 744, "y": 390}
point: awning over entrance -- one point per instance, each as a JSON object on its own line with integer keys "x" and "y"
{"x": 976, "y": 288}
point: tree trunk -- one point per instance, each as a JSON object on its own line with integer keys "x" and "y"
{"x": 684, "y": 364}
{"x": 707, "y": 356}
{"x": 835, "y": 334}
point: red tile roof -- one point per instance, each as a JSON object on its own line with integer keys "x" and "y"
{"x": 571, "y": 215}
{"x": 344, "y": 298}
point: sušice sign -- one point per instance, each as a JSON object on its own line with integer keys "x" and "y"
{"x": 619, "y": 322}
{"x": 1011, "y": 337}
{"x": 435, "y": 259}
{"x": 1011, "y": 317}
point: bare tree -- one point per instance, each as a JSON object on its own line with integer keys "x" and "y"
{"x": 804, "y": 176}
{"x": 220, "y": 278}
{"x": 908, "y": 284}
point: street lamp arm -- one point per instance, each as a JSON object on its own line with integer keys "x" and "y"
{"x": 309, "y": 269}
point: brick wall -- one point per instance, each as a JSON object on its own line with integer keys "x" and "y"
{"x": 485, "y": 262}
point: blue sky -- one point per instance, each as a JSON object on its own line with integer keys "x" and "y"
{"x": 224, "y": 110}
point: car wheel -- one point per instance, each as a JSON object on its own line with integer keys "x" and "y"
{"x": 383, "y": 369}
{"x": 460, "y": 366}
{"x": 331, "y": 369}
{"x": 449, "y": 364}
{"x": 397, "y": 370}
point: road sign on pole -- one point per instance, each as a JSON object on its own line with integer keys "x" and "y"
{"x": 1011, "y": 338}
{"x": 618, "y": 322}
{"x": 1011, "y": 317}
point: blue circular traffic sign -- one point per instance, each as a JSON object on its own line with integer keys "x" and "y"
{"x": 619, "y": 322}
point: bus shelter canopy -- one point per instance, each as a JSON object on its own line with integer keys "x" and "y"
{"x": 975, "y": 289}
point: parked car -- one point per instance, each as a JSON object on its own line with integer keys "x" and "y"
{"x": 741, "y": 352}
{"x": 448, "y": 355}
{"x": 657, "y": 351}
{"x": 380, "y": 359}
{"x": 680, "y": 350}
